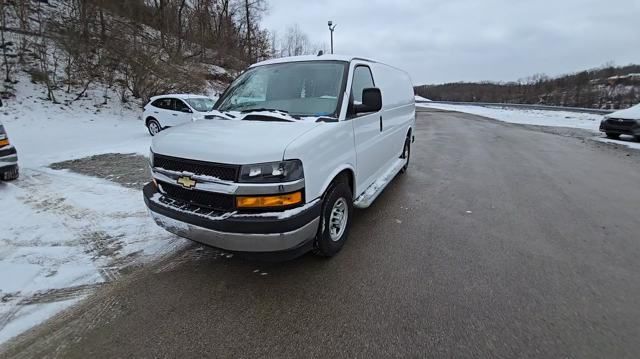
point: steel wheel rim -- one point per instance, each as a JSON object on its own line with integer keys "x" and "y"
{"x": 155, "y": 129}
{"x": 338, "y": 219}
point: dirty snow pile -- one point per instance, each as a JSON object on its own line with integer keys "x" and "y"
{"x": 63, "y": 234}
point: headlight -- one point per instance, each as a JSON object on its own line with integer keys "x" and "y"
{"x": 272, "y": 172}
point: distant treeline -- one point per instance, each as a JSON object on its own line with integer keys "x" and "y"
{"x": 605, "y": 87}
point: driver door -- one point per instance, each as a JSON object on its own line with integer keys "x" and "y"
{"x": 181, "y": 113}
{"x": 367, "y": 128}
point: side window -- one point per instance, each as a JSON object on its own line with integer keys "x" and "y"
{"x": 362, "y": 79}
{"x": 180, "y": 106}
{"x": 163, "y": 103}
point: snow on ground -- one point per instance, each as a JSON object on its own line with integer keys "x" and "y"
{"x": 422, "y": 99}
{"x": 45, "y": 132}
{"x": 624, "y": 141}
{"x": 63, "y": 234}
{"x": 585, "y": 121}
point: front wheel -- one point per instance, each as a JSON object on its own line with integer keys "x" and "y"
{"x": 614, "y": 136}
{"x": 337, "y": 210}
{"x": 637, "y": 138}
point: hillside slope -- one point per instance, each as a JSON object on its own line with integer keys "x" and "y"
{"x": 605, "y": 88}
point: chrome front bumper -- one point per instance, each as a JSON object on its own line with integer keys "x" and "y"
{"x": 239, "y": 242}
{"x": 258, "y": 233}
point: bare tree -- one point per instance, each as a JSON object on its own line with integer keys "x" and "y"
{"x": 294, "y": 43}
{"x": 4, "y": 44}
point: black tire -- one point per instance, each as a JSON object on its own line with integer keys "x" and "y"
{"x": 11, "y": 175}
{"x": 406, "y": 153}
{"x": 613, "y": 135}
{"x": 153, "y": 126}
{"x": 637, "y": 138}
{"x": 323, "y": 244}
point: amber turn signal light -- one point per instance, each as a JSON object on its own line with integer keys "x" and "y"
{"x": 283, "y": 200}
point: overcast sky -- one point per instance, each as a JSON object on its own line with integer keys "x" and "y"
{"x": 472, "y": 40}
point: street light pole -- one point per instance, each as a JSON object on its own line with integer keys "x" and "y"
{"x": 331, "y": 28}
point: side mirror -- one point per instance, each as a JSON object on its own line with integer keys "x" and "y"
{"x": 371, "y": 101}
{"x": 186, "y": 110}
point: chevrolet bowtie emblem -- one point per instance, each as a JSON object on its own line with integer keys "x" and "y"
{"x": 187, "y": 182}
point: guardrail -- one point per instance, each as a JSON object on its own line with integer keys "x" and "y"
{"x": 530, "y": 107}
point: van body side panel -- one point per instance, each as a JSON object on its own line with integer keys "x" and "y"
{"x": 398, "y": 109}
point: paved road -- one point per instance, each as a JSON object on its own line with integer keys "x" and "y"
{"x": 500, "y": 242}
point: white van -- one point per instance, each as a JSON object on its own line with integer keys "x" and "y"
{"x": 296, "y": 143}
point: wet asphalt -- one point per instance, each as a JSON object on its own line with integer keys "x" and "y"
{"x": 500, "y": 242}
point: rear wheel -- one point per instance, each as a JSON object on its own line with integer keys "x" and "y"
{"x": 637, "y": 138}
{"x": 11, "y": 175}
{"x": 154, "y": 126}
{"x": 614, "y": 136}
{"x": 337, "y": 209}
{"x": 406, "y": 153}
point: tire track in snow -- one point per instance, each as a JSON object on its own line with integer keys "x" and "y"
{"x": 44, "y": 192}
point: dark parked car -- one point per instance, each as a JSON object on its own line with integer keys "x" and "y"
{"x": 623, "y": 122}
{"x": 8, "y": 157}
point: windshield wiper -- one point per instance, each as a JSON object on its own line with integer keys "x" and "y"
{"x": 263, "y": 110}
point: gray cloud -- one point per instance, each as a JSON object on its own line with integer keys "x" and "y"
{"x": 472, "y": 40}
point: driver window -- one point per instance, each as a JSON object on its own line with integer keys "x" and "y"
{"x": 180, "y": 106}
{"x": 362, "y": 79}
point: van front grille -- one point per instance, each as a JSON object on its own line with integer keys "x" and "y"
{"x": 221, "y": 171}
{"x": 217, "y": 201}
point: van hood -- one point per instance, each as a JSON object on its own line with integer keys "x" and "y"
{"x": 230, "y": 141}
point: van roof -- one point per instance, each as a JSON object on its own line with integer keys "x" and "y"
{"x": 311, "y": 58}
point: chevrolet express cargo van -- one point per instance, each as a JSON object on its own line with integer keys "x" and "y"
{"x": 295, "y": 144}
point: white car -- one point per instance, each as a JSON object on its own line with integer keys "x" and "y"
{"x": 8, "y": 157}
{"x": 296, "y": 144}
{"x": 172, "y": 110}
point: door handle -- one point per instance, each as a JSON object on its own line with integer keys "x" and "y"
{"x": 174, "y": 114}
{"x": 380, "y": 123}
{"x": 155, "y": 111}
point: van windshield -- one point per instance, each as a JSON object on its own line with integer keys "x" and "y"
{"x": 298, "y": 88}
